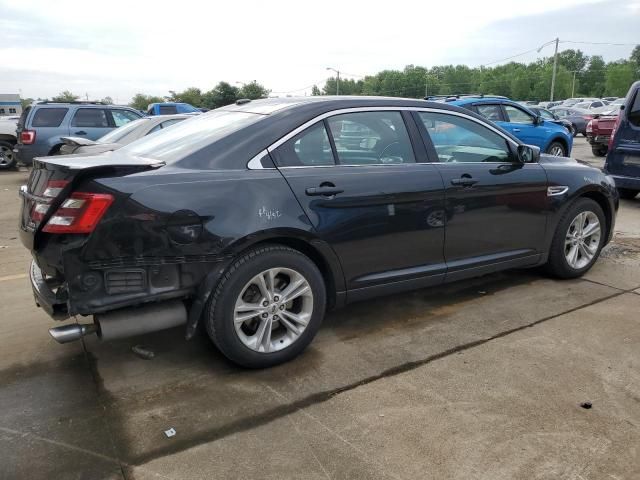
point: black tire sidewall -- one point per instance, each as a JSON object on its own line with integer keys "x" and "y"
{"x": 14, "y": 163}
{"x": 220, "y": 313}
{"x": 564, "y": 150}
{"x": 557, "y": 261}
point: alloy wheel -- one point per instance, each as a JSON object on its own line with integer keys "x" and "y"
{"x": 582, "y": 240}
{"x": 273, "y": 309}
{"x": 557, "y": 151}
{"x": 6, "y": 156}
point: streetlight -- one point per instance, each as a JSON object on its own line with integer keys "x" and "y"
{"x": 555, "y": 64}
{"x": 337, "y": 79}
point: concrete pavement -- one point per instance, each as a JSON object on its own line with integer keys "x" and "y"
{"x": 480, "y": 379}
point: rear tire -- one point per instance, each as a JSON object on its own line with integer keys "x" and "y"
{"x": 251, "y": 321}
{"x": 583, "y": 216}
{"x": 8, "y": 159}
{"x": 627, "y": 193}
{"x": 599, "y": 151}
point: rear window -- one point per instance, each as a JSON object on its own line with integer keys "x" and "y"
{"x": 191, "y": 135}
{"x": 23, "y": 117}
{"x": 48, "y": 117}
{"x": 117, "y": 134}
{"x": 168, "y": 109}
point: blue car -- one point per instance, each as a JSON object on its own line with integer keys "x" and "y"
{"x": 623, "y": 159}
{"x": 521, "y": 122}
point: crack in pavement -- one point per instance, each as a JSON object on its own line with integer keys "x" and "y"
{"x": 254, "y": 421}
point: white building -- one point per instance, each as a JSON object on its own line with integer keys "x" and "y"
{"x": 10, "y": 104}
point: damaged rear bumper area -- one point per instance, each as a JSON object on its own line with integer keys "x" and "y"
{"x": 123, "y": 302}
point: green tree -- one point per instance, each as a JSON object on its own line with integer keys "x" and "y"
{"x": 25, "y": 102}
{"x": 192, "y": 96}
{"x": 593, "y": 79}
{"x": 620, "y": 75}
{"x": 65, "y": 96}
{"x": 253, "y": 90}
{"x": 108, "y": 100}
{"x": 222, "y": 94}
{"x": 140, "y": 101}
{"x": 315, "y": 91}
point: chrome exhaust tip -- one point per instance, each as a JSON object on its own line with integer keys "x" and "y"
{"x": 72, "y": 332}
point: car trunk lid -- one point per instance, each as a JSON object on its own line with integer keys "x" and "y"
{"x": 54, "y": 178}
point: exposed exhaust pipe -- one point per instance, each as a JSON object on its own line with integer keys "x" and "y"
{"x": 71, "y": 333}
{"x": 126, "y": 322}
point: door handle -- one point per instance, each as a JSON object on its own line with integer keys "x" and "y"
{"x": 464, "y": 181}
{"x": 516, "y": 130}
{"x": 326, "y": 191}
{"x": 81, "y": 132}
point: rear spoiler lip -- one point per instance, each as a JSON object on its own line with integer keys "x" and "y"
{"x": 78, "y": 141}
{"x": 79, "y": 162}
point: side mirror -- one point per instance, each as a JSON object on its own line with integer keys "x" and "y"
{"x": 528, "y": 153}
{"x": 538, "y": 120}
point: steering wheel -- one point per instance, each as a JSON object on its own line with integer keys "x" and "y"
{"x": 384, "y": 150}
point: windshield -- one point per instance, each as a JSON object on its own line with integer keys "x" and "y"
{"x": 582, "y": 105}
{"x": 191, "y": 135}
{"x": 117, "y": 134}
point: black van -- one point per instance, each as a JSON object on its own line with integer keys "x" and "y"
{"x": 623, "y": 159}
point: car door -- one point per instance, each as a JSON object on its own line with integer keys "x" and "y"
{"x": 360, "y": 180}
{"x": 91, "y": 123}
{"x": 523, "y": 125}
{"x": 496, "y": 206}
{"x": 623, "y": 159}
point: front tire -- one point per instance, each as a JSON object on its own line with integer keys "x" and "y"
{"x": 557, "y": 149}
{"x": 579, "y": 237}
{"x": 267, "y": 307}
{"x": 627, "y": 193}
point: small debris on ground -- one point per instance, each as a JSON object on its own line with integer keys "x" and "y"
{"x": 170, "y": 433}
{"x": 482, "y": 292}
{"x": 586, "y": 405}
{"x": 143, "y": 352}
{"x": 381, "y": 415}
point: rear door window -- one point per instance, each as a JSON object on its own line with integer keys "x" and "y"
{"x": 371, "y": 138}
{"x": 490, "y": 112}
{"x": 49, "y": 117}
{"x": 309, "y": 148}
{"x": 91, "y": 118}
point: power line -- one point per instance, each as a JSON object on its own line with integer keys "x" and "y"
{"x": 603, "y": 43}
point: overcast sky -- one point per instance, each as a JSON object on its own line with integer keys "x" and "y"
{"x": 119, "y": 47}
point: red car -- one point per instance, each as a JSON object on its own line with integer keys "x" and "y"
{"x": 599, "y": 132}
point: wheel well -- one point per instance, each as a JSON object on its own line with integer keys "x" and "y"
{"x": 54, "y": 149}
{"x": 315, "y": 256}
{"x": 601, "y": 200}
{"x": 562, "y": 141}
{"x": 8, "y": 139}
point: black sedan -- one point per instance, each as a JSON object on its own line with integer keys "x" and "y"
{"x": 255, "y": 218}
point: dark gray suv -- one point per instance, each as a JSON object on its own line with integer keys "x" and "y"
{"x": 42, "y": 125}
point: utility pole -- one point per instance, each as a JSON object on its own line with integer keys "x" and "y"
{"x": 337, "y": 79}
{"x": 555, "y": 67}
{"x": 573, "y": 85}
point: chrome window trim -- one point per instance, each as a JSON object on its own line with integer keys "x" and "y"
{"x": 254, "y": 163}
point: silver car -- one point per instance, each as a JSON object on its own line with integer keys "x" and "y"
{"x": 120, "y": 136}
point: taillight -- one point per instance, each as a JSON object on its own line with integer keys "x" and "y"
{"x": 613, "y": 132}
{"x": 590, "y": 126}
{"x": 51, "y": 191}
{"x": 80, "y": 213}
{"x": 27, "y": 137}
